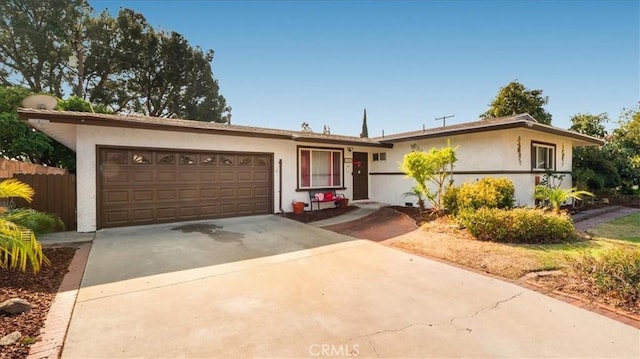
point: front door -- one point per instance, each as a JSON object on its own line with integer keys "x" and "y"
{"x": 360, "y": 175}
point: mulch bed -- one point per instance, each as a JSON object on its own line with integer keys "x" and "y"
{"x": 39, "y": 290}
{"x": 382, "y": 224}
{"x": 317, "y": 215}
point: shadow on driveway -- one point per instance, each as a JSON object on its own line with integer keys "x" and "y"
{"x": 119, "y": 254}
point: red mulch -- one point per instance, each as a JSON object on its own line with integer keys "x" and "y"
{"x": 382, "y": 224}
{"x": 39, "y": 290}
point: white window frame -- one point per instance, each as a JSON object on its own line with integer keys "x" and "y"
{"x": 311, "y": 150}
{"x": 550, "y": 154}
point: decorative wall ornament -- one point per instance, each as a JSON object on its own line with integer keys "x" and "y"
{"x": 562, "y": 154}
{"x": 519, "y": 151}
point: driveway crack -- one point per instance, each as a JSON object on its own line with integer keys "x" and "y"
{"x": 486, "y": 309}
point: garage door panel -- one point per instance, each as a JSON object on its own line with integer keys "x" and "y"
{"x": 142, "y": 195}
{"x": 260, "y": 176}
{"x": 145, "y": 214}
{"x": 262, "y": 207}
{"x": 226, "y": 193}
{"x": 165, "y": 176}
{"x": 166, "y": 194}
{"x": 209, "y": 209}
{"x": 226, "y": 176}
{"x": 188, "y": 212}
{"x": 115, "y": 176}
{"x": 166, "y": 213}
{"x": 246, "y": 192}
{"x": 142, "y": 177}
{"x": 117, "y": 197}
{"x": 261, "y": 192}
{"x": 208, "y": 175}
{"x": 209, "y": 193}
{"x": 188, "y": 176}
{"x": 245, "y": 176}
{"x": 140, "y": 186}
{"x": 245, "y": 208}
{"x": 190, "y": 193}
{"x": 119, "y": 216}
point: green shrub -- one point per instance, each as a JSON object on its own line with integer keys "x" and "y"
{"x": 519, "y": 225}
{"x": 450, "y": 199}
{"x": 615, "y": 273}
{"x": 488, "y": 192}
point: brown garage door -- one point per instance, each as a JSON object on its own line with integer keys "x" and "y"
{"x": 143, "y": 186}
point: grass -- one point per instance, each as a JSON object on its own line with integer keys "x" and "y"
{"x": 626, "y": 228}
{"x": 507, "y": 260}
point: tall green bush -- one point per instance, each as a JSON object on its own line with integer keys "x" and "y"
{"x": 519, "y": 225}
{"x": 488, "y": 192}
{"x": 435, "y": 167}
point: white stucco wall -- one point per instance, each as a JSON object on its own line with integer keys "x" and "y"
{"x": 495, "y": 151}
{"x": 90, "y": 136}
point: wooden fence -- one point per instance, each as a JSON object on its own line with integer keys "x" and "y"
{"x": 10, "y": 167}
{"x": 54, "y": 194}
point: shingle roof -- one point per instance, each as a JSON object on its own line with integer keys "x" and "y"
{"x": 147, "y": 122}
{"x": 521, "y": 120}
{"x": 134, "y": 121}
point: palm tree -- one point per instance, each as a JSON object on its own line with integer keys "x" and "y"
{"x": 19, "y": 226}
{"x": 555, "y": 196}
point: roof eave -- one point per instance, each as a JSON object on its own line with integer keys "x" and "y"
{"x": 338, "y": 141}
{"x": 583, "y": 140}
{"x": 89, "y": 120}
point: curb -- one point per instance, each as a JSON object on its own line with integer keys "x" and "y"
{"x": 605, "y": 310}
{"x": 55, "y": 327}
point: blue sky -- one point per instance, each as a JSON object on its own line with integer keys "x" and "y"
{"x": 407, "y": 62}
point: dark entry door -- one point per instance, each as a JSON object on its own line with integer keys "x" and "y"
{"x": 360, "y": 175}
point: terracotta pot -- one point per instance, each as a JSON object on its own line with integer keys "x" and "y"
{"x": 344, "y": 203}
{"x": 298, "y": 207}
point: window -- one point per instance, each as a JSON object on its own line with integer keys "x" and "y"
{"x": 543, "y": 156}
{"x": 382, "y": 156}
{"x": 319, "y": 168}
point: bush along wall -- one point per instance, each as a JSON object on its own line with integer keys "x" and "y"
{"x": 519, "y": 225}
{"x": 487, "y": 192}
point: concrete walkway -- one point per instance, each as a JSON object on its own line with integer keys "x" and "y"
{"x": 602, "y": 215}
{"x": 345, "y": 298}
{"x": 364, "y": 209}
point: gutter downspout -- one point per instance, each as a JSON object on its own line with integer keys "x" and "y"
{"x": 280, "y": 187}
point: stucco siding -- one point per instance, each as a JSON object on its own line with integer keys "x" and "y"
{"x": 489, "y": 154}
{"x": 90, "y": 136}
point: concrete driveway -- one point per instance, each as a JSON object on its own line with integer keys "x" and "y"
{"x": 270, "y": 287}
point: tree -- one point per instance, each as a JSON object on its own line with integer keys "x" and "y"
{"x": 34, "y": 46}
{"x": 435, "y": 167}
{"x": 17, "y": 139}
{"x": 365, "y": 131}
{"x": 588, "y": 124}
{"x": 514, "y": 99}
{"x": 119, "y": 62}
{"x": 155, "y": 73}
{"x": 19, "y": 227}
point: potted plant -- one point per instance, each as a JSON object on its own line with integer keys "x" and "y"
{"x": 298, "y": 207}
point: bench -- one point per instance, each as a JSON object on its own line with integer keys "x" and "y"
{"x": 324, "y": 196}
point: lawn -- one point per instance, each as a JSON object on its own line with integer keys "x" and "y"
{"x": 625, "y": 228}
{"x": 442, "y": 240}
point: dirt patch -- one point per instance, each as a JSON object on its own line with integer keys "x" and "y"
{"x": 39, "y": 290}
{"x": 382, "y": 224}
